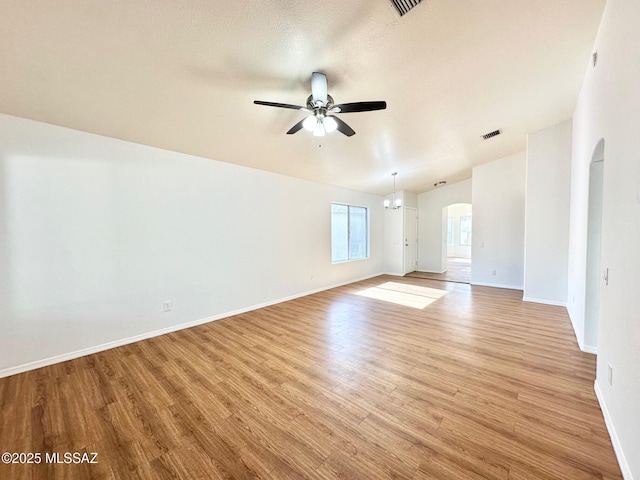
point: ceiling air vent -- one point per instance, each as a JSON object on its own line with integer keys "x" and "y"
{"x": 487, "y": 136}
{"x": 403, "y": 6}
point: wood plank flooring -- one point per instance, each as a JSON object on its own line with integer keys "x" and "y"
{"x": 336, "y": 385}
{"x": 458, "y": 270}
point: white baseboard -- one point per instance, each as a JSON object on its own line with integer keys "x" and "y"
{"x": 545, "y": 302}
{"x": 431, "y": 271}
{"x": 394, "y": 274}
{"x": 576, "y": 331}
{"x": 580, "y": 338}
{"x": 155, "y": 333}
{"x": 617, "y": 447}
{"x": 497, "y": 285}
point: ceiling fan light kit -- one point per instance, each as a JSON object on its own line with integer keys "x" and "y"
{"x": 322, "y": 107}
{"x": 330, "y": 124}
{"x": 319, "y": 125}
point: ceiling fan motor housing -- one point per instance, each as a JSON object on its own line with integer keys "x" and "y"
{"x": 313, "y": 106}
{"x": 321, "y": 104}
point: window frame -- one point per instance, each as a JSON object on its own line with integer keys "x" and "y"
{"x": 366, "y": 235}
{"x": 450, "y": 232}
{"x": 469, "y": 235}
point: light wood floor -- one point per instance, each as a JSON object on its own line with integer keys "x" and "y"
{"x": 458, "y": 270}
{"x": 339, "y": 384}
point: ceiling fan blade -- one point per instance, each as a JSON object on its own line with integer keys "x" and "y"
{"x": 359, "y": 107}
{"x": 296, "y": 127}
{"x": 319, "y": 87}
{"x": 343, "y": 127}
{"x": 281, "y": 105}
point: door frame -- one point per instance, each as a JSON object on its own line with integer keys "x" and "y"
{"x": 414, "y": 212}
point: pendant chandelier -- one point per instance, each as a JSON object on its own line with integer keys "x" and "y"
{"x": 395, "y": 203}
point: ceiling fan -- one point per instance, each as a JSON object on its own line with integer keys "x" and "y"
{"x": 321, "y": 105}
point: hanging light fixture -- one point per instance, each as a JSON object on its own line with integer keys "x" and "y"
{"x": 395, "y": 203}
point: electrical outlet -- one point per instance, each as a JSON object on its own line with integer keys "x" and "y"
{"x": 493, "y": 272}
{"x": 167, "y": 306}
{"x": 610, "y": 374}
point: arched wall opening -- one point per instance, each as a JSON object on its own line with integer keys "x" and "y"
{"x": 594, "y": 240}
{"x": 432, "y": 224}
{"x": 457, "y": 231}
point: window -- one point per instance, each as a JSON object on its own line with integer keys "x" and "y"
{"x": 349, "y": 233}
{"x": 465, "y": 231}
{"x": 449, "y": 232}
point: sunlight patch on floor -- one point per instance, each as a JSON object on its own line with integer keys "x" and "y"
{"x": 403, "y": 294}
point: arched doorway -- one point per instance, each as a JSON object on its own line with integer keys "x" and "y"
{"x": 594, "y": 235}
{"x": 456, "y": 243}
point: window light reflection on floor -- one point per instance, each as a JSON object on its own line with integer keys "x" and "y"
{"x": 408, "y": 295}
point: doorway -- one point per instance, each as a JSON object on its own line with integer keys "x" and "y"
{"x": 458, "y": 237}
{"x": 410, "y": 239}
{"x": 456, "y": 245}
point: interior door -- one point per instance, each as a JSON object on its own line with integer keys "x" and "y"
{"x": 410, "y": 239}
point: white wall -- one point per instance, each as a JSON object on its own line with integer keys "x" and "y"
{"x": 393, "y": 242}
{"x": 609, "y": 108}
{"x": 393, "y": 246}
{"x": 456, "y": 212}
{"x": 95, "y": 233}
{"x": 498, "y": 222}
{"x": 547, "y": 214}
{"x": 432, "y": 241}
{"x": 409, "y": 199}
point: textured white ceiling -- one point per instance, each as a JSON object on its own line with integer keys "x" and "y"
{"x": 182, "y": 75}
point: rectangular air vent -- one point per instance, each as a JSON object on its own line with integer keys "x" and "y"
{"x": 403, "y": 6}
{"x": 487, "y": 136}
